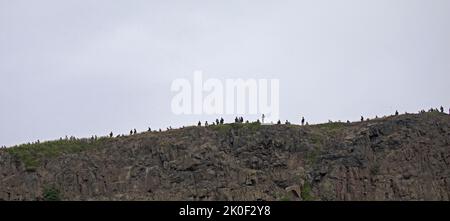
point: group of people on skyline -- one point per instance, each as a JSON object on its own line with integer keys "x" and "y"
{"x": 240, "y": 120}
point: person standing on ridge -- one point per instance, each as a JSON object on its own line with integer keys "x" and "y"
{"x": 303, "y": 121}
{"x": 111, "y": 134}
{"x": 262, "y": 118}
{"x": 221, "y": 120}
{"x": 362, "y": 118}
{"x": 442, "y": 109}
{"x": 396, "y": 113}
{"x": 199, "y": 124}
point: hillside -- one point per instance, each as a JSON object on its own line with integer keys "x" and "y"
{"x": 405, "y": 157}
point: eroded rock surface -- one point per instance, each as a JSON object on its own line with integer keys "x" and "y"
{"x": 404, "y": 157}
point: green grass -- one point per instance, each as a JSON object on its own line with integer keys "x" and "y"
{"x": 307, "y": 192}
{"x": 33, "y": 154}
{"x": 330, "y": 127}
{"x": 225, "y": 128}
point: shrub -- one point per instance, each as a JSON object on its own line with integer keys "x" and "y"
{"x": 51, "y": 194}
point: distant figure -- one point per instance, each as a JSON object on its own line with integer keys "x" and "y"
{"x": 111, "y": 134}
{"x": 217, "y": 121}
{"x": 306, "y": 124}
{"x": 246, "y": 122}
{"x": 287, "y": 122}
{"x": 262, "y": 117}
{"x": 257, "y": 121}
{"x": 199, "y": 124}
{"x": 135, "y": 132}
{"x": 362, "y": 118}
{"x": 206, "y": 123}
{"x": 278, "y": 122}
{"x": 348, "y": 121}
{"x": 241, "y": 119}
{"x": 221, "y": 120}
{"x": 131, "y": 132}
{"x": 160, "y": 130}
{"x": 303, "y": 121}
{"x": 236, "y": 120}
{"x": 376, "y": 116}
{"x": 396, "y": 113}
{"x": 442, "y": 109}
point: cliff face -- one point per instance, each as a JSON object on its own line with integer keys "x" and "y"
{"x": 404, "y": 157}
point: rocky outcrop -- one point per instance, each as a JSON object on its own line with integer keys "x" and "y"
{"x": 404, "y": 157}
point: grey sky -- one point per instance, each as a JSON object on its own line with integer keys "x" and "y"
{"x": 91, "y": 67}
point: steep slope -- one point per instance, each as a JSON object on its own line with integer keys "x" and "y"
{"x": 404, "y": 157}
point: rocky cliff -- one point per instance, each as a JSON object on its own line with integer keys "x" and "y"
{"x": 404, "y": 157}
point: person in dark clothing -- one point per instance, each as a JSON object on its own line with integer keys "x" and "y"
{"x": 303, "y": 121}
{"x": 199, "y": 124}
{"x": 396, "y": 113}
{"x": 149, "y": 129}
{"x": 217, "y": 121}
{"x": 131, "y": 132}
{"x": 287, "y": 122}
{"x": 236, "y": 120}
{"x": 278, "y": 122}
{"x": 111, "y": 134}
{"x": 362, "y": 118}
{"x": 221, "y": 120}
{"x": 241, "y": 119}
{"x": 442, "y": 109}
{"x": 262, "y": 117}
{"x": 135, "y": 132}
{"x": 348, "y": 121}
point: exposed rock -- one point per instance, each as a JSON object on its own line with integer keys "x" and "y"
{"x": 404, "y": 157}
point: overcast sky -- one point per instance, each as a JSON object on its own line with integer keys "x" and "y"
{"x": 90, "y": 67}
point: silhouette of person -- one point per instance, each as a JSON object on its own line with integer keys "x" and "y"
{"x": 206, "y": 123}
{"x": 442, "y": 109}
{"x": 221, "y": 120}
{"x": 262, "y": 117}
{"x": 131, "y": 132}
{"x": 149, "y": 129}
{"x": 199, "y": 124}
{"x": 303, "y": 121}
{"x": 135, "y": 132}
{"x": 236, "y": 120}
{"x": 111, "y": 134}
{"x": 278, "y": 122}
{"x": 217, "y": 121}
{"x": 362, "y": 118}
{"x": 396, "y": 113}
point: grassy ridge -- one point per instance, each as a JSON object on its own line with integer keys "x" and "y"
{"x": 33, "y": 154}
